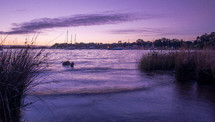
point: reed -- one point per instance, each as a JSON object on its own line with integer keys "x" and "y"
{"x": 18, "y": 69}
{"x": 205, "y": 65}
{"x": 157, "y": 61}
{"x": 185, "y": 65}
{"x": 188, "y": 65}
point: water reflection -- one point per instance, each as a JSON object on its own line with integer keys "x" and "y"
{"x": 196, "y": 91}
{"x": 207, "y": 93}
{"x": 196, "y": 100}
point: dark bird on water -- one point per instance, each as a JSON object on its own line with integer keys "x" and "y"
{"x": 65, "y": 63}
{"x": 72, "y": 64}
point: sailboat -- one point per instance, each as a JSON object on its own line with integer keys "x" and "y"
{"x": 69, "y": 47}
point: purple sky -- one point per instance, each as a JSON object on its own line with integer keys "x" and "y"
{"x": 104, "y": 21}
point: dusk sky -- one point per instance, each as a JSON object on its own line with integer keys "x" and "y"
{"x": 105, "y": 21}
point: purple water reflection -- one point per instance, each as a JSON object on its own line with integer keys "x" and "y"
{"x": 106, "y": 86}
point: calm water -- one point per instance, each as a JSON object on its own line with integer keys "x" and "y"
{"x": 106, "y": 85}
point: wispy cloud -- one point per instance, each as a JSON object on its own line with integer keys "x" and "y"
{"x": 139, "y": 31}
{"x": 75, "y": 21}
{"x": 151, "y": 32}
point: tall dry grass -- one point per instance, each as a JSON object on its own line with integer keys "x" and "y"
{"x": 157, "y": 61}
{"x": 18, "y": 69}
{"x": 205, "y": 66}
{"x": 188, "y": 65}
{"x": 185, "y": 65}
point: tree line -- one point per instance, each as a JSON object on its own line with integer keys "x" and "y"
{"x": 201, "y": 42}
{"x": 204, "y": 41}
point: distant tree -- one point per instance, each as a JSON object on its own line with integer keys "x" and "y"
{"x": 140, "y": 42}
{"x": 205, "y": 41}
{"x": 158, "y": 43}
{"x": 165, "y": 42}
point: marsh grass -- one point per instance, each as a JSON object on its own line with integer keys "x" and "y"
{"x": 157, "y": 61}
{"x": 205, "y": 66}
{"x": 18, "y": 69}
{"x": 185, "y": 65}
{"x": 188, "y": 65}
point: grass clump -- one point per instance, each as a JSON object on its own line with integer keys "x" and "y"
{"x": 205, "y": 66}
{"x": 158, "y": 61}
{"x": 185, "y": 65}
{"x": 18, "y": 69}
{"x": 188, "y": 65}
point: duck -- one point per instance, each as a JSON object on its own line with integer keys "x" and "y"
{"x": 65, "y": 63}
{"x": 72, "y": 65}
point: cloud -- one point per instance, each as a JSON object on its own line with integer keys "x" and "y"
{"x": 147, "y": 31}
{"x": 152, "y": 32}
{"x": 75, "y": 21}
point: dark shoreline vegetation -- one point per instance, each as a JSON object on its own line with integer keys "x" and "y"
{"x": 198, "y": 65}
{"x": 201, "y": 42}
{"x": 18, "y": 69}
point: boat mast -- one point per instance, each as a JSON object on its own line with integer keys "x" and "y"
{"x": 75, "y": 38}
{"x": 67, "y": 37}
{"x": 71, "y": 38}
